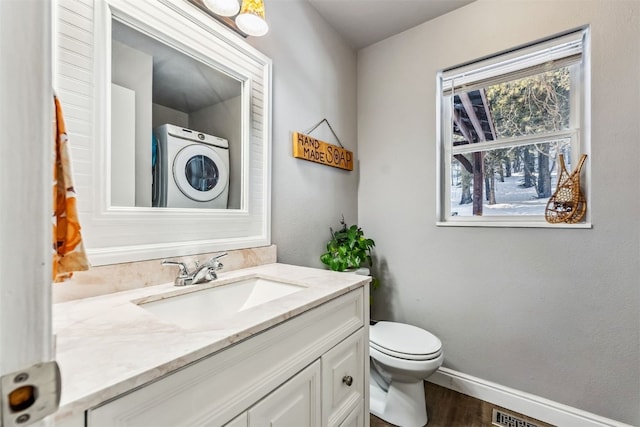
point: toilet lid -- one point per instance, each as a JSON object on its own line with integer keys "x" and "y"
{"x": 405, "y": 341}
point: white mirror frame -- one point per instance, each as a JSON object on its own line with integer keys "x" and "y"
{"x": 82, "y": 80}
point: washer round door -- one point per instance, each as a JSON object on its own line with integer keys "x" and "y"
{"x": 200, "y": 173}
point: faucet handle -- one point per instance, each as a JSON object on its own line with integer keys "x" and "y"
{"x": 183, "y": 277}
{"x": 184, "y": 271}
{"x": 214, "y": 262}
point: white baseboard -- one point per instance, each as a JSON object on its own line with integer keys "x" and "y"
{"x": 527, "y": 404}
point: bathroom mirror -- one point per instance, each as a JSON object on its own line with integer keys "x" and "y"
{"x": 166, "y": 104}
{"x": 169, "y": 116}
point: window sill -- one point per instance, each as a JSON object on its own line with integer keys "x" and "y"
{"x": 511, "y": 224}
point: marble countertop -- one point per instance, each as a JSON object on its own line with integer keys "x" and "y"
{"x": 108, "y": 345}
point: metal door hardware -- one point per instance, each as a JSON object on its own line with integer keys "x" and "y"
{"x": 29, "y": 395}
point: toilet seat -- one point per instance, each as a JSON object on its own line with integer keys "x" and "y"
{"x": 404, "y": 341}
{"x": 407, "y": 356}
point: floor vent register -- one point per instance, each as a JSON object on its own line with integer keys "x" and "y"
{"x": 503, "y": 419}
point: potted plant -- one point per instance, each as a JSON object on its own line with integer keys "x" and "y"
{"x": 348, "y": 249}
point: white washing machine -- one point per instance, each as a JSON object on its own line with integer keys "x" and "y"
{"x": 190, "y": 169}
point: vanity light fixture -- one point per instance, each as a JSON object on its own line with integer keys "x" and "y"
{"x": 223, "y": 7}
{"x": 251, "y": 20}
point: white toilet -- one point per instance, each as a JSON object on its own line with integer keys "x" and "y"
{"x": 402, "y": 357}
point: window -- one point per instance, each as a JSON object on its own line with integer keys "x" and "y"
{"x": 504, "y": 121}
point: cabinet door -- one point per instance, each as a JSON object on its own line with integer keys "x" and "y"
{"x": 343, "y": 379}
{"x": 355, "y": 418}
{"x": 295, "y": 403}
{"x": 241, "y": 420}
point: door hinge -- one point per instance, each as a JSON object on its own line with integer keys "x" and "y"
{"x": 29, "y": 395}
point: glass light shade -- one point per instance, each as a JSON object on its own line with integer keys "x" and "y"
{"x": 251, "y": 18}
{"x": 223, "y": 7}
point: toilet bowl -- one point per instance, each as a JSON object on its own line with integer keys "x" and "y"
{"x": 402, "y": 357}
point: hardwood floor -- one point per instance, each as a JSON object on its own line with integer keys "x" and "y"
{"x": 448, "y": 408}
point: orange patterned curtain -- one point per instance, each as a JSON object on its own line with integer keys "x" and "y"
{"x": 68, "y": 251}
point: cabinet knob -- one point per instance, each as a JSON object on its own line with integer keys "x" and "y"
{"x": 348, "y": 380}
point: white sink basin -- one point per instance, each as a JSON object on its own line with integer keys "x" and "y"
{"x": 204, "y": 306}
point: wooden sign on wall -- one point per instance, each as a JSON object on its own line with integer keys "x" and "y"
{"x": 309, "y": 148}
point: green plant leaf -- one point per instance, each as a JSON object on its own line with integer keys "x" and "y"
{"x": 348, "y": 248}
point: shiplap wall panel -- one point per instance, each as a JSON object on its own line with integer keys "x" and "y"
{"x": 78, "y": 7}
{"x": 75, "y": 46}
{"x": 74, "y": 83}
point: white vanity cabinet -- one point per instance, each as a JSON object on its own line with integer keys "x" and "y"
{"x": 329, "y": 392}
{"x": 311, "y": 370}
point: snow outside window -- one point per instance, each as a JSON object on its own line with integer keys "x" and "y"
{"x": 504, "y": 120}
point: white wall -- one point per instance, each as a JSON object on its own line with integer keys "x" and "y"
{"x": 314, "y": 77}
{"x": 133, "y": 70}
{"x": 123, "y": 146}
{"x": 551, "y": 312}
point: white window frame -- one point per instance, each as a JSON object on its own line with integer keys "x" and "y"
{"x": 570, "y": 48}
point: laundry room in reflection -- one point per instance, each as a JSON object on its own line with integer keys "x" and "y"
{"x": 190, "y": 169}
{"x": 176, "y": 142}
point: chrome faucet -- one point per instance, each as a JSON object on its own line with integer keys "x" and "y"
{"x": 202, "y": 273}
{"x": 208, "y": 271}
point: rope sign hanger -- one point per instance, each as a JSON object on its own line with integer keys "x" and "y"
{"x": 309, "y": 148}
{"x": 330, "y": 128}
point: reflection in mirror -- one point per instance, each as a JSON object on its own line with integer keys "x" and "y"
{"x": 176, "y": 131}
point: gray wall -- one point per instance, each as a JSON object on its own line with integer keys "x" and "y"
{"x": 314, "y": 77}
{"x": 551, "y": 312}
{"x": 162, "y": 115}
{"x": 223, "y": 120}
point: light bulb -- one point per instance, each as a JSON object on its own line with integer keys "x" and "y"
{"x": 223, "y": 7}
{"x": 251, "y": 18}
